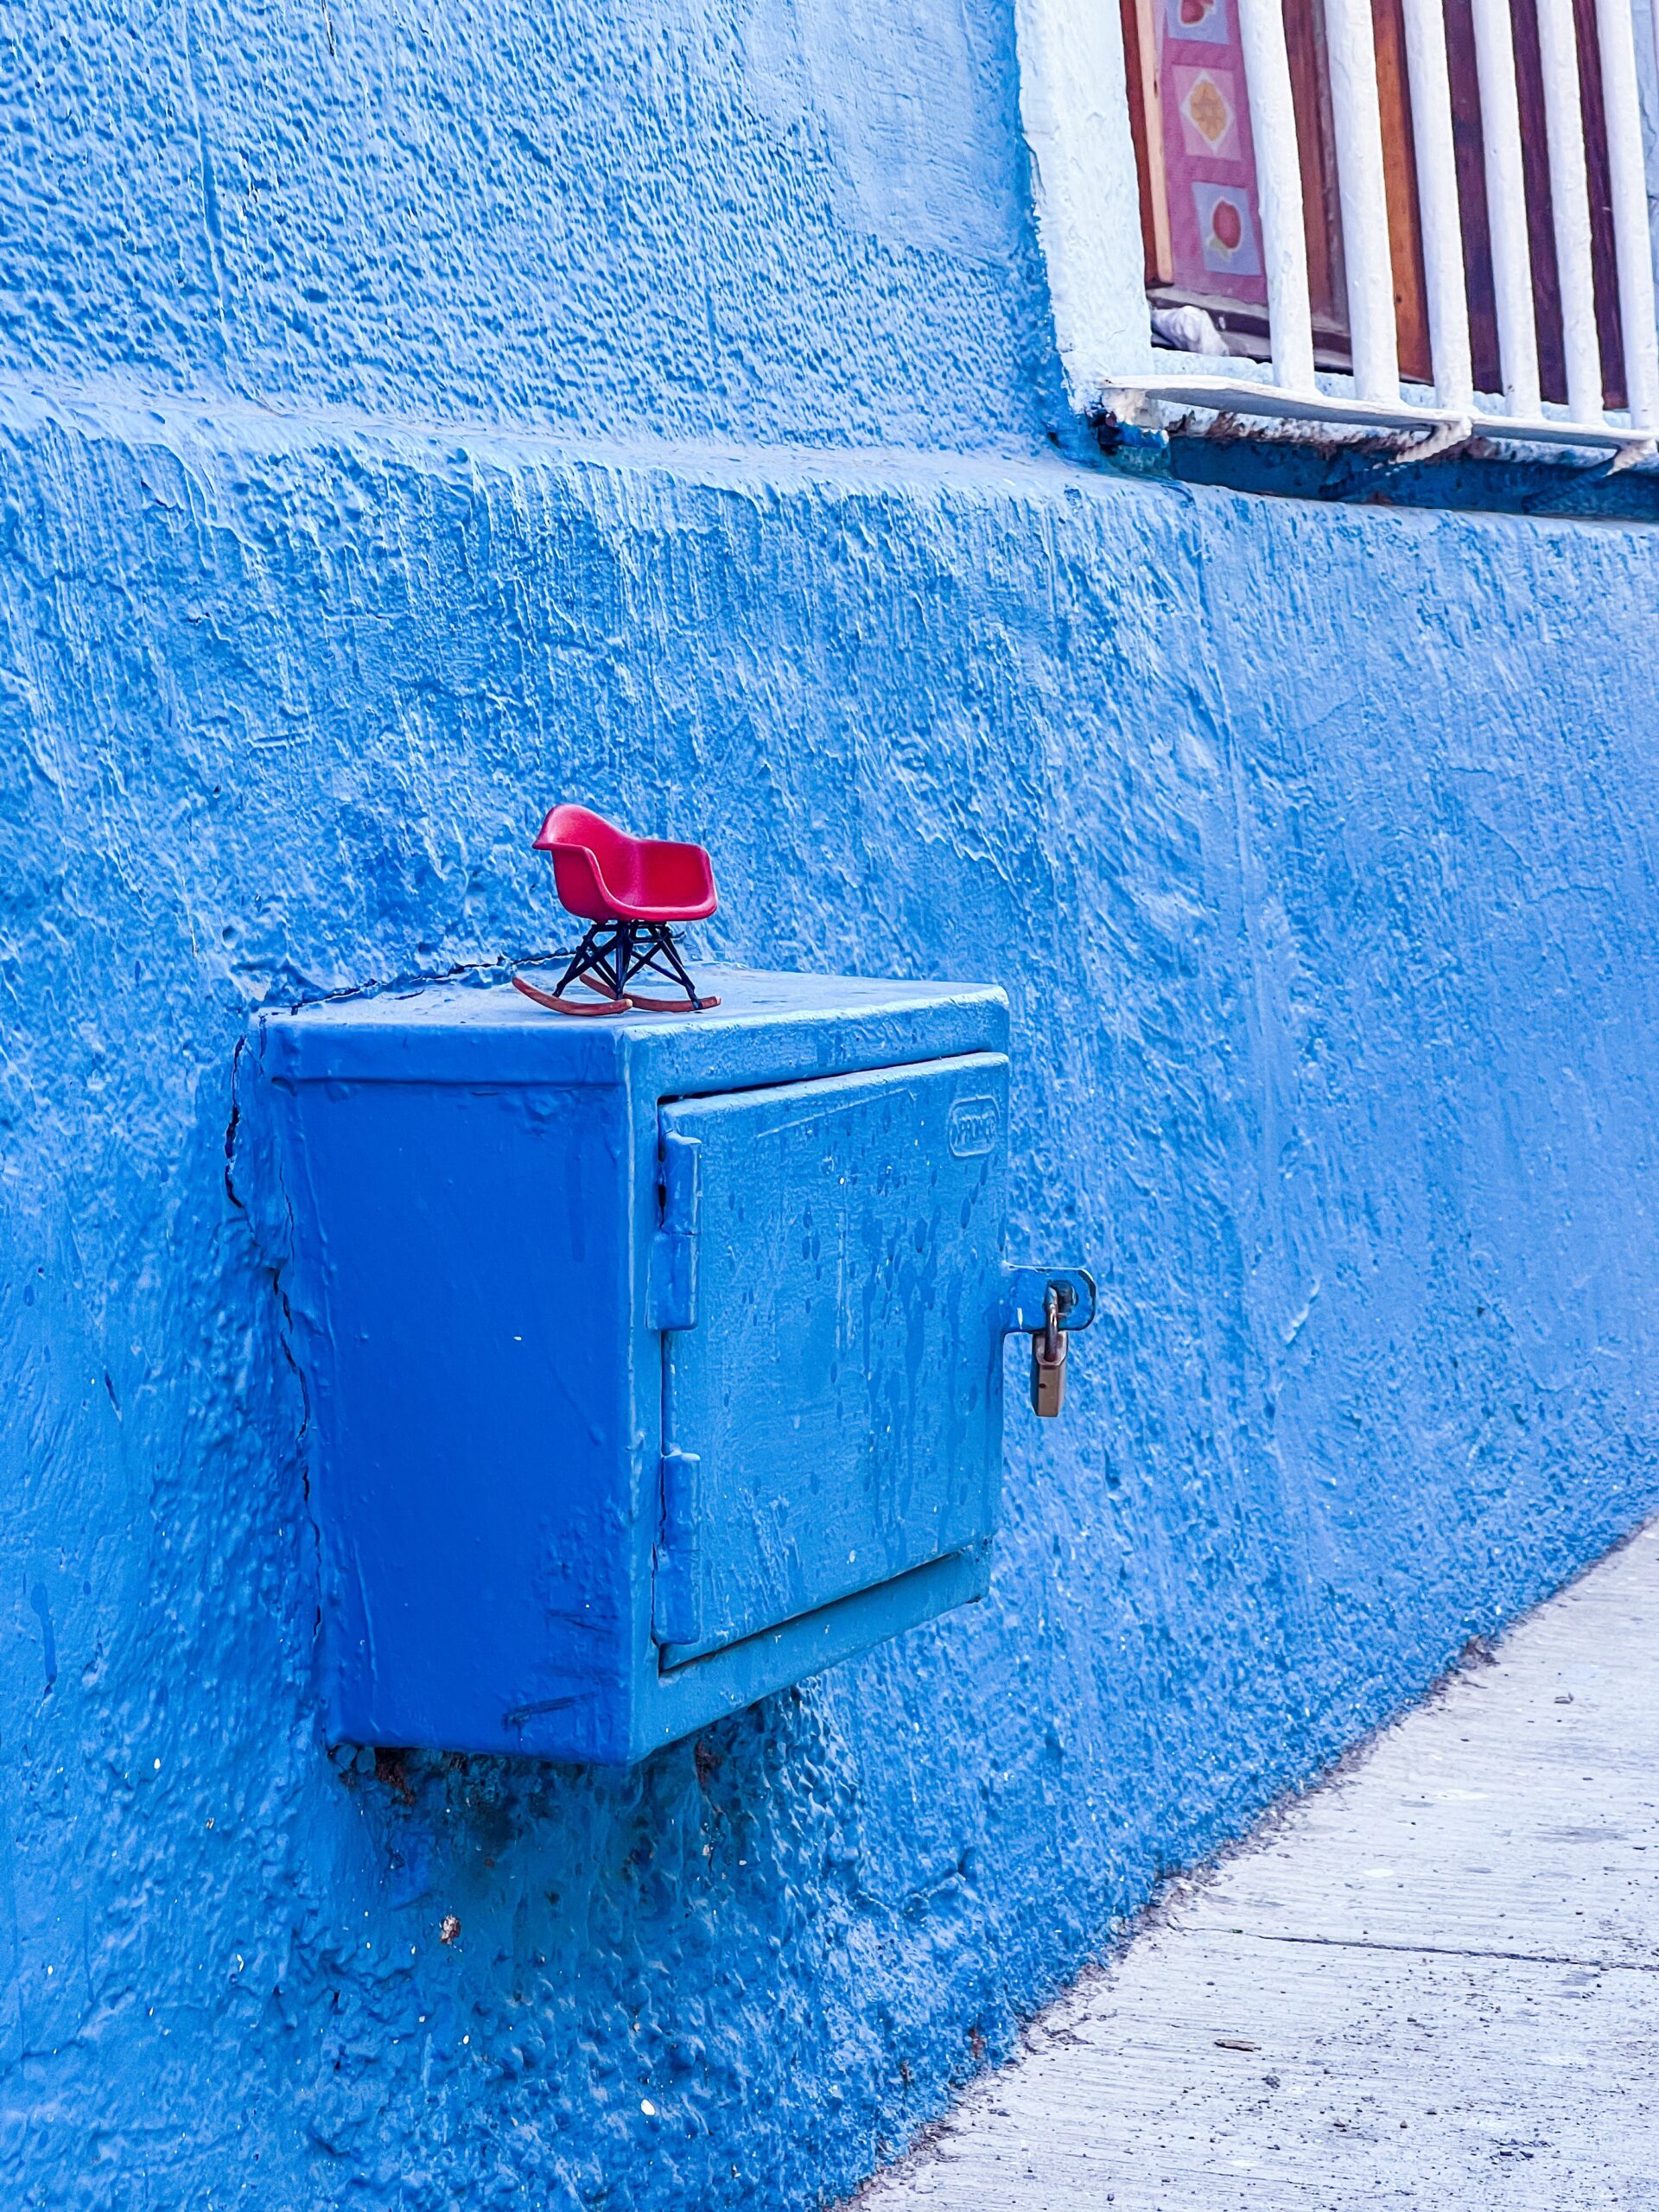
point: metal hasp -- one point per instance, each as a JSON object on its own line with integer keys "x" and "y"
{"x": 652, "y": 1364}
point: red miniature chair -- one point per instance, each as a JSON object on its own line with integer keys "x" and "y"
{"x": 629, "y": 890}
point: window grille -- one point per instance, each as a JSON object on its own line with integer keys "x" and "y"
{"x": 1399, "y": 215}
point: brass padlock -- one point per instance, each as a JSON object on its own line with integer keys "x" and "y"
{"x": 1048, "y": 1360}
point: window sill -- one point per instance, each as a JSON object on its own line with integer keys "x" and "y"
{"x": 1147, "y": 404}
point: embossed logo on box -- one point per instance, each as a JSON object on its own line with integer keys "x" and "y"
{"x": 972, "y": 1126}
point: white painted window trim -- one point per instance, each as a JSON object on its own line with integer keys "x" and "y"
{"x": 1074, "y": 107}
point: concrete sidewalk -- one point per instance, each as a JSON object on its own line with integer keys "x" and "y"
{"x": 1434, "y": 1984}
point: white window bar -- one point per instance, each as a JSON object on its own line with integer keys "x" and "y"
{"x": 1569, "y": 192}
{"x": 1375, "y": 401}
{"x": 1437, "y": 194}
{"x": 1357, "y": 123}
{"x": 1278, "y": 192}
{"x": 1634, "y": 247}
{"x": 1506, "y": 205}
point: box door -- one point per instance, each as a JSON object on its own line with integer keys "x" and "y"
{"x": 832, "y": 1415}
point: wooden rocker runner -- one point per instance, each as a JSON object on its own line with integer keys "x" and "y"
{"x": 629, "y": 891}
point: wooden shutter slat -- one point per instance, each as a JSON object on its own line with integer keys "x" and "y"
{"x": 1400, "y": 178}
{"x": 1146, "y": 126}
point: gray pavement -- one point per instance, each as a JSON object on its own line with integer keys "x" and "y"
{"x": 1433, "y": 1983}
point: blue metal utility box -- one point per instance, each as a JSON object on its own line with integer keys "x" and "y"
{"x": 653, "y": 1362}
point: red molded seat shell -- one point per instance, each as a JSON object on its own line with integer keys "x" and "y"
{"x": 603, "y": 875}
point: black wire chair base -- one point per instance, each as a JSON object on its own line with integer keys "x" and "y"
{"x": 606, "y": 963}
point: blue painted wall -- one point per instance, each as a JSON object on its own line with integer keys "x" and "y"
{"x": 408, "y": 422}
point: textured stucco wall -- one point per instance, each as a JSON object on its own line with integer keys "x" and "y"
{"x": 1315, "y": 847}
{"x": 774, "y": 219}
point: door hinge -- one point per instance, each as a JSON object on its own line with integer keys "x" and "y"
{"x": 671, "y": 1296}
{"x": 677, "y": 1596}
